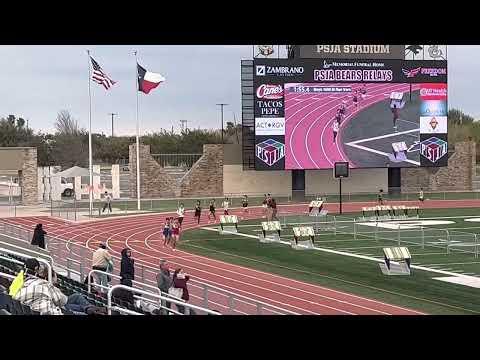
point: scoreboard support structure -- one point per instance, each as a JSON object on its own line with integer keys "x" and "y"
{"x": 340, "y": 171}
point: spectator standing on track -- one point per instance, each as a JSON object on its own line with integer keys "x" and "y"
{"x": 335, "y": 129}
{"x": 181, "y": 214}
{"x": 180, "y": 280}
{"x": 108, "y": 202}
{"x": 102, "y": 260}
{"x": 127, "y": 266}
{"x": 212, "y": 211}
{"x": 198, "y": 211}
{"x": 164, "y": 280}
{"x": 38, "y": 238}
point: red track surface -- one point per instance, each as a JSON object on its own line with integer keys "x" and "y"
{"x": 143, "y": 235}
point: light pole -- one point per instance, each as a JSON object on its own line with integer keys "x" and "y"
{"x": 221, "y": 107}
{"x": 113, "y": 114}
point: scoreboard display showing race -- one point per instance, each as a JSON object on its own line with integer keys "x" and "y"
{"x": 312, "y": 113}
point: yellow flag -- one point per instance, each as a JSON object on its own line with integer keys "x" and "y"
{"x": 17, "y": 284}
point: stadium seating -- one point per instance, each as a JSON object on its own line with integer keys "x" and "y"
{"x": 66, "y": 285}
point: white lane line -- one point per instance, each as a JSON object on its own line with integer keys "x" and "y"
{"x": 458, "y": 263}
{"x": 361, "y": 147}
{"x": 382, "y": 136}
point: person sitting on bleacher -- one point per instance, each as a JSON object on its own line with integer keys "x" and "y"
{"x": 123, "y": 296}
{"x": 42, "y": 296}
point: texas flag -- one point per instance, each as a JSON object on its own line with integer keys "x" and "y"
{"x": 148, "y": 80}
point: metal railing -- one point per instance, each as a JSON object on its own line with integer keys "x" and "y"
{"x": 185, "y": 161}
{"x": 159, "y": 297}
{"x": 400, "y": 194}
{"x": 89, "y": 282}
{"x": 23, "y": 255}
{"x": 76, "y": 259}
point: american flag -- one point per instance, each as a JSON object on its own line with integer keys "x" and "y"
{"x": 99, "y": 76}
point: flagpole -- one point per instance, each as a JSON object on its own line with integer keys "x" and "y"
{"x": 90, "y": 169}
{"x": 137, "y": 137}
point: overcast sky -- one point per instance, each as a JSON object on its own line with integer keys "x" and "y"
{"x": 38, "y": 81}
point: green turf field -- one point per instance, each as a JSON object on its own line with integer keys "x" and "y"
{"x": 363, "y": 276}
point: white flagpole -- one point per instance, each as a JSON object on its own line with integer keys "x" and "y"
{"x": 90, "y": 166}
{"x": 137, "y": 138}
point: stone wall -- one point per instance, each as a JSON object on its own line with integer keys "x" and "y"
{"x": 456, "y": 176}
{"x": 205, "y": 178}
{"x": 154, "y": 181}
{"x": 29, "y": 178}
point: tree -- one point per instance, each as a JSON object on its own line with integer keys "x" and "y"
{"x": 456, "y": 116}
{"x": 13, "y": 132}
{"x": 66, "y": 124}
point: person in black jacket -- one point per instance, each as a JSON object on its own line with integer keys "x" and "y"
{"x": 127, "y": 267}
{"x": 39, "y": 236}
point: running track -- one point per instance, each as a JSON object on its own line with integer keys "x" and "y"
{"x": 309, "y": 118}
{"x": 142, "y": 234}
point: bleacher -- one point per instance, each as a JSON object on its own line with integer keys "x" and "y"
{"x": 66, "y": 285}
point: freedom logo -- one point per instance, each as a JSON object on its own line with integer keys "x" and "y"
{"x": 411, "y": 73}
{"x": 433, "y": 149}
{"x": 270, "y": 151}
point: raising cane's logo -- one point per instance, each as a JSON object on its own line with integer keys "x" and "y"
{"x": 270, "y": 92}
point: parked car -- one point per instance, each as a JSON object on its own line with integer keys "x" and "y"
{"x": 67, "y": 188}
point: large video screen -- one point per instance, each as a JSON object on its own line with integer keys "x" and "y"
{"x": 310, "y": 114}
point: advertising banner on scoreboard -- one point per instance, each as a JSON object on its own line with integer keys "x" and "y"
{"x": 311, "y": 113}
{"x": 433, "y": 150}
{"x": 345, "y": 70}
{"x": 269, "y": 152}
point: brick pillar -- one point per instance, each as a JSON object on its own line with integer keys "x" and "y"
{"x": 29, "y": 177}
